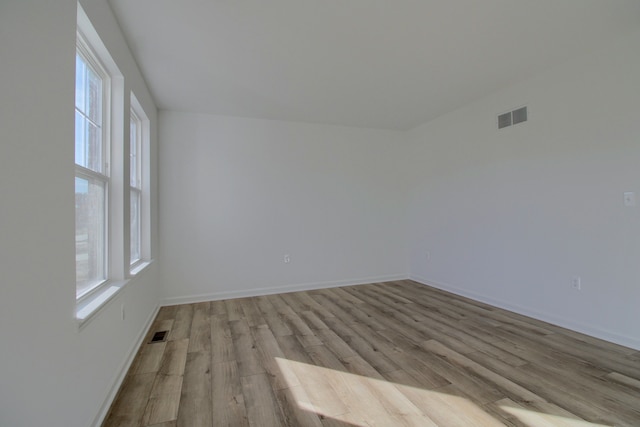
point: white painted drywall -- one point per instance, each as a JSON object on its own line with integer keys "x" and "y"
{"x": 510, "y": 216}
{"x": 238, "y": 194}
{"x": 51, "y": 373}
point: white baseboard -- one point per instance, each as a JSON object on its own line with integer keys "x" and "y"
{"x": 545, "y": 317}
{"x": 124, "y": 368}
{"x": 214, "y": 296}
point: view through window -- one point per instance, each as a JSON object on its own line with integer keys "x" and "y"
{"x": 91, "y": 174}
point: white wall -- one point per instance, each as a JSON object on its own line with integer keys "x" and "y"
{"x": 238, "y": 194}
{"x": 510, "y": 216}
{"x": 52, "y": 373}
{"x": 507, "y": 216}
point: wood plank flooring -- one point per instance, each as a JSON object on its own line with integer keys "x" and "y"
{"x": 386, "y": 354}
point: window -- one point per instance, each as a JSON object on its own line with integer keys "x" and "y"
{"x": 91, "y": 170}
{"x": 112, "y": 195}
{"x": 135, "y": 154}
{"x": 139, "y": 241}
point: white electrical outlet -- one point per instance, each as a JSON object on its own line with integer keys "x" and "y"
{"x": 576, "y": 283}
{"x": 427, "y": 256}
{"x": 287, "y": 259}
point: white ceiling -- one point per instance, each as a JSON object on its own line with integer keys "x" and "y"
{"x": 390, "y": 64}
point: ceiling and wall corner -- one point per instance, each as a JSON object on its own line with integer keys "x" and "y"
{"x": 364, "y": 63}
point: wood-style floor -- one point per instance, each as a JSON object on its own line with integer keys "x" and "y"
{"x": 389, "y": 354}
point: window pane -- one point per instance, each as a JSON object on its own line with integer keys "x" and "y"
{"x": 94, "y": 148}
{"x": 90, "y": 234}
{"x": 80, "y": 83}
{"x": 89, "y": 150}
{"x": 135, "y": 225}
{"x": 81, "y": 133}
{"x": 94, "y": 97}
{"x": 133, "y": 148}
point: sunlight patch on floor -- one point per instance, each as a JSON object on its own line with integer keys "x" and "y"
{"x": 533, "y": 418}
{"x": 363, "y": 401}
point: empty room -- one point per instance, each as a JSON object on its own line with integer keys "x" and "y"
{"x": 319, "y": 213}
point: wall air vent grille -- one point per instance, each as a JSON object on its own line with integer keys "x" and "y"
{"x": 504, "y": 120}
{"x": 519, "y": 115}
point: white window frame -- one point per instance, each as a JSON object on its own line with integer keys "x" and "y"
{"x": 142, "y": 186}
{"x": 135, "y": 182}
{"x": 115, "y": 125}
{"x": 88, "y": 55}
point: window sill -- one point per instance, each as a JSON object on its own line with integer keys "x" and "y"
{"x": 139, "y": 267}
{"x": 88, "y": 308}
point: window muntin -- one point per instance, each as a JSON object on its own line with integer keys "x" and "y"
{"x": 91, "y": 172}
